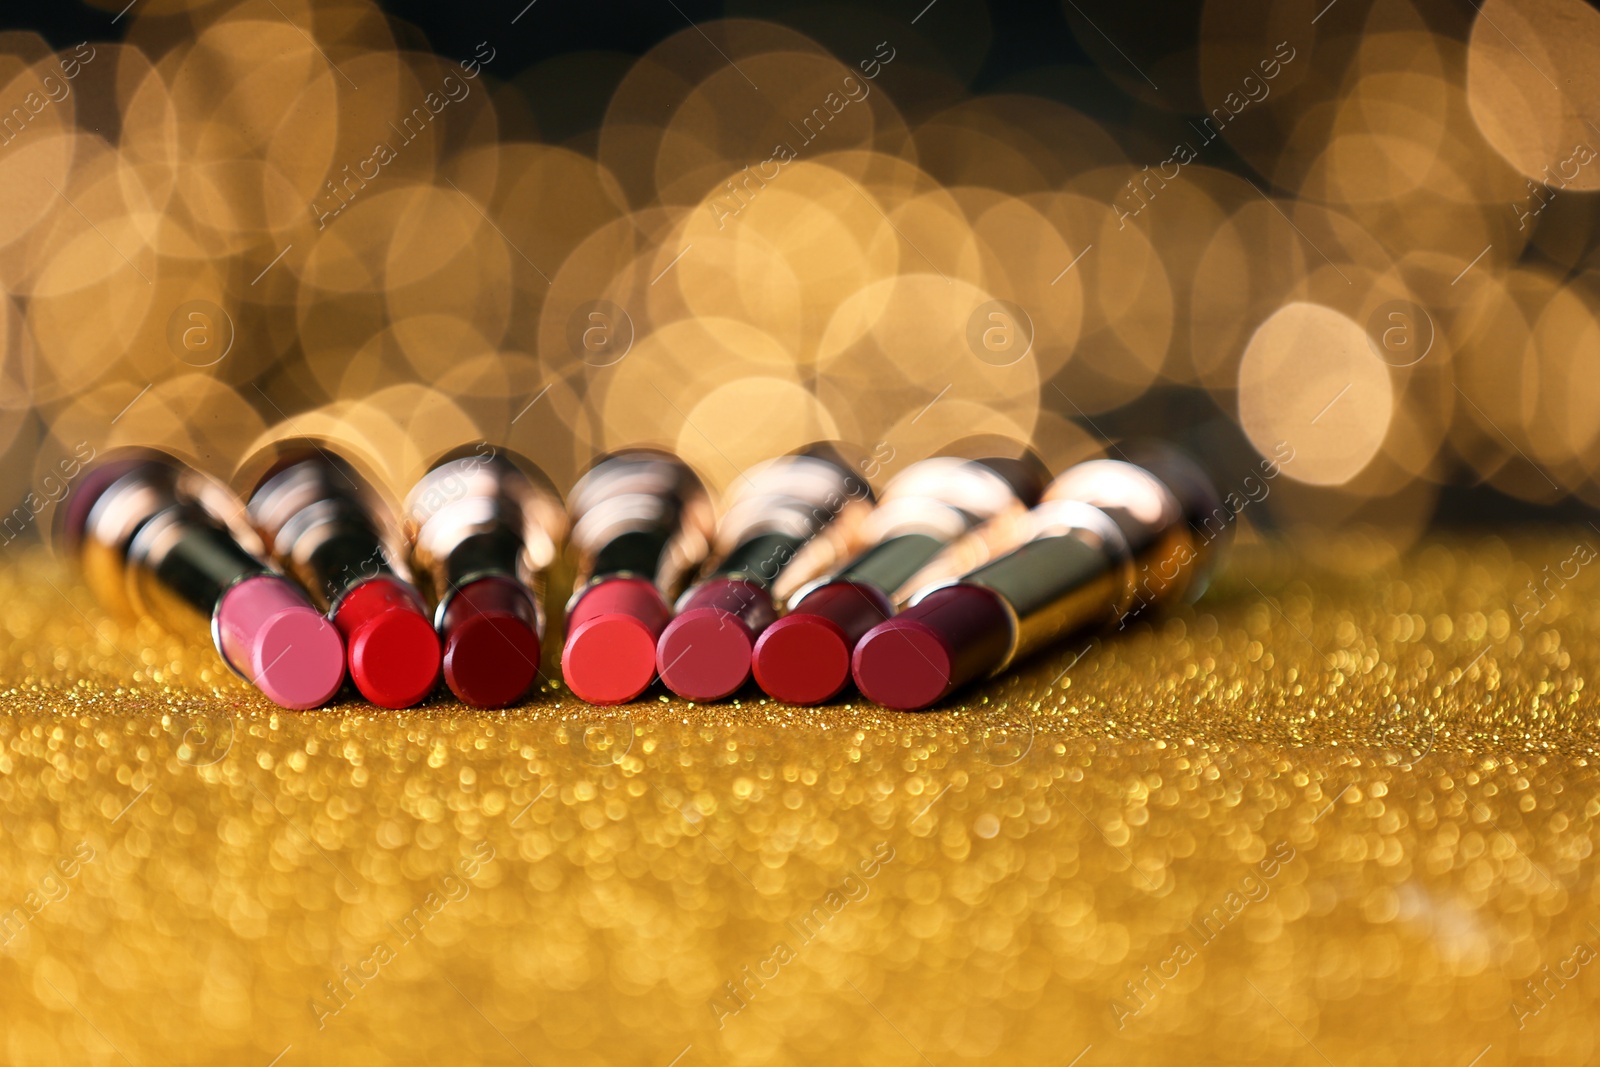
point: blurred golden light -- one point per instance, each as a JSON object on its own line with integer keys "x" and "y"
{"x": 717, "y": 437}
{"x": 1310, "y": 379}
{"x": 753, "y": 236}
{"x": 1533, "y": 87}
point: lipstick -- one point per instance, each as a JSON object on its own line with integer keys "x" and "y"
{"x": 804, "y": 657}
{"x": 1110, "y": 539}
{"x": 157, "y": 537}
{"x": 483, "y": 532}
{"x": 778, "y": 506}
{"x": 325, "y": 524}
{"x": 641, "y": 523}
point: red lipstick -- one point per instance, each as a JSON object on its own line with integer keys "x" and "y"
{"x": 778, "y": 506}
{"x": 483, "y": 532}
{"x": 325, "y": 524}
{"x": 155, "y": 537}
{"x": 804, "y": 657}
{"x": 641, "y": 523}
{"x": 1074, "y": 561}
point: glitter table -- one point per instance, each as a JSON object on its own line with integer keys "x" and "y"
{"x": 1311, "y": 820}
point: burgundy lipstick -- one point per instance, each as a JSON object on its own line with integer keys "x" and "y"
{"x": 483, "y": 532}
{"x": 1111, "y": 538}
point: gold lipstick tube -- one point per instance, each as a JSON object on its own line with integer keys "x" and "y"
{"x": 478, "y": 514}
{"x": 326, "y": 525}
{"x": 642, "y": 522}
{"x": 322, "y": 521}
{"x": 782, "y": 505}
{"x": 777, "y": 507}
{"x": 922, "y": 510}
{"x": 1151, "y": 552}
{"x": 804, "y": 657}
{"x": 639, "y": 514}
{"x": 155, "y": 537}
{"x": 1111, "y": 538}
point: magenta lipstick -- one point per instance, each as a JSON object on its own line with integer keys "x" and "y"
{"x": 641, "y": 524}
{"x": 1111, "y": 538}
{"x": 326, "y": 525}
{"x": 484, "y": 529}
{"x": 156, "y": 537}
{"x": 776, "y": 508}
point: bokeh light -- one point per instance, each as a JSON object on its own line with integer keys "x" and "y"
{"x": 1361, "y": 230}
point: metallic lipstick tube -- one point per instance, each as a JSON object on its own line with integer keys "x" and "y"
{"x": 804, "y": 657}
{"x": 156, "y": 537}
{"x": 1076, "y": 562}
{"x": 328, "y": 527}
{"x": 483, "y": 531}
{"x": 642, "y": 522}
{"x": 704, "y": 652}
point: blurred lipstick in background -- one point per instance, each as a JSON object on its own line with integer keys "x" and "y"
{"x": 642, "y": 522}
{"x": 483, "y": 530}
{"x": 326, "y": 525}
{"x": 804, "y": 657}
{"x": 155, "y": 537}
{"x": 1131, "y": 540}
{"x": 775, "y": 509}
{"x": 1176, "y": 525}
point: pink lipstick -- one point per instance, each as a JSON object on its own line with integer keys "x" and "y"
{"x": 156, "y": 537}
{"x": 325, "y": 524}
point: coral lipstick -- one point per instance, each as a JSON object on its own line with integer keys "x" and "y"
{"x": 156, "y": 537}
{"x": 705, "y": 651}
{"x": 483, "y": 532}
{"x": 804, "y": 657}
{"x": 641, "y": 523}
{"x": 1075, "y": 561}
{"x": 326, "y": 525}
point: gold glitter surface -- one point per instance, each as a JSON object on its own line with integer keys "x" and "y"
{"x": 1311, "y": 820}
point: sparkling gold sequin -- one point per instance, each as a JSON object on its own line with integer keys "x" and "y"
{"x": 1308, "y": 820}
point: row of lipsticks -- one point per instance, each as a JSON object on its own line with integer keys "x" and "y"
{"x": 960, "y": 567}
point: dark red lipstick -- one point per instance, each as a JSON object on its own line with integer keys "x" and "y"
{"x": 484, "y": 529}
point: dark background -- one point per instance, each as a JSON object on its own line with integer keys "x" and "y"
{"x": 1026, "y": 33}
